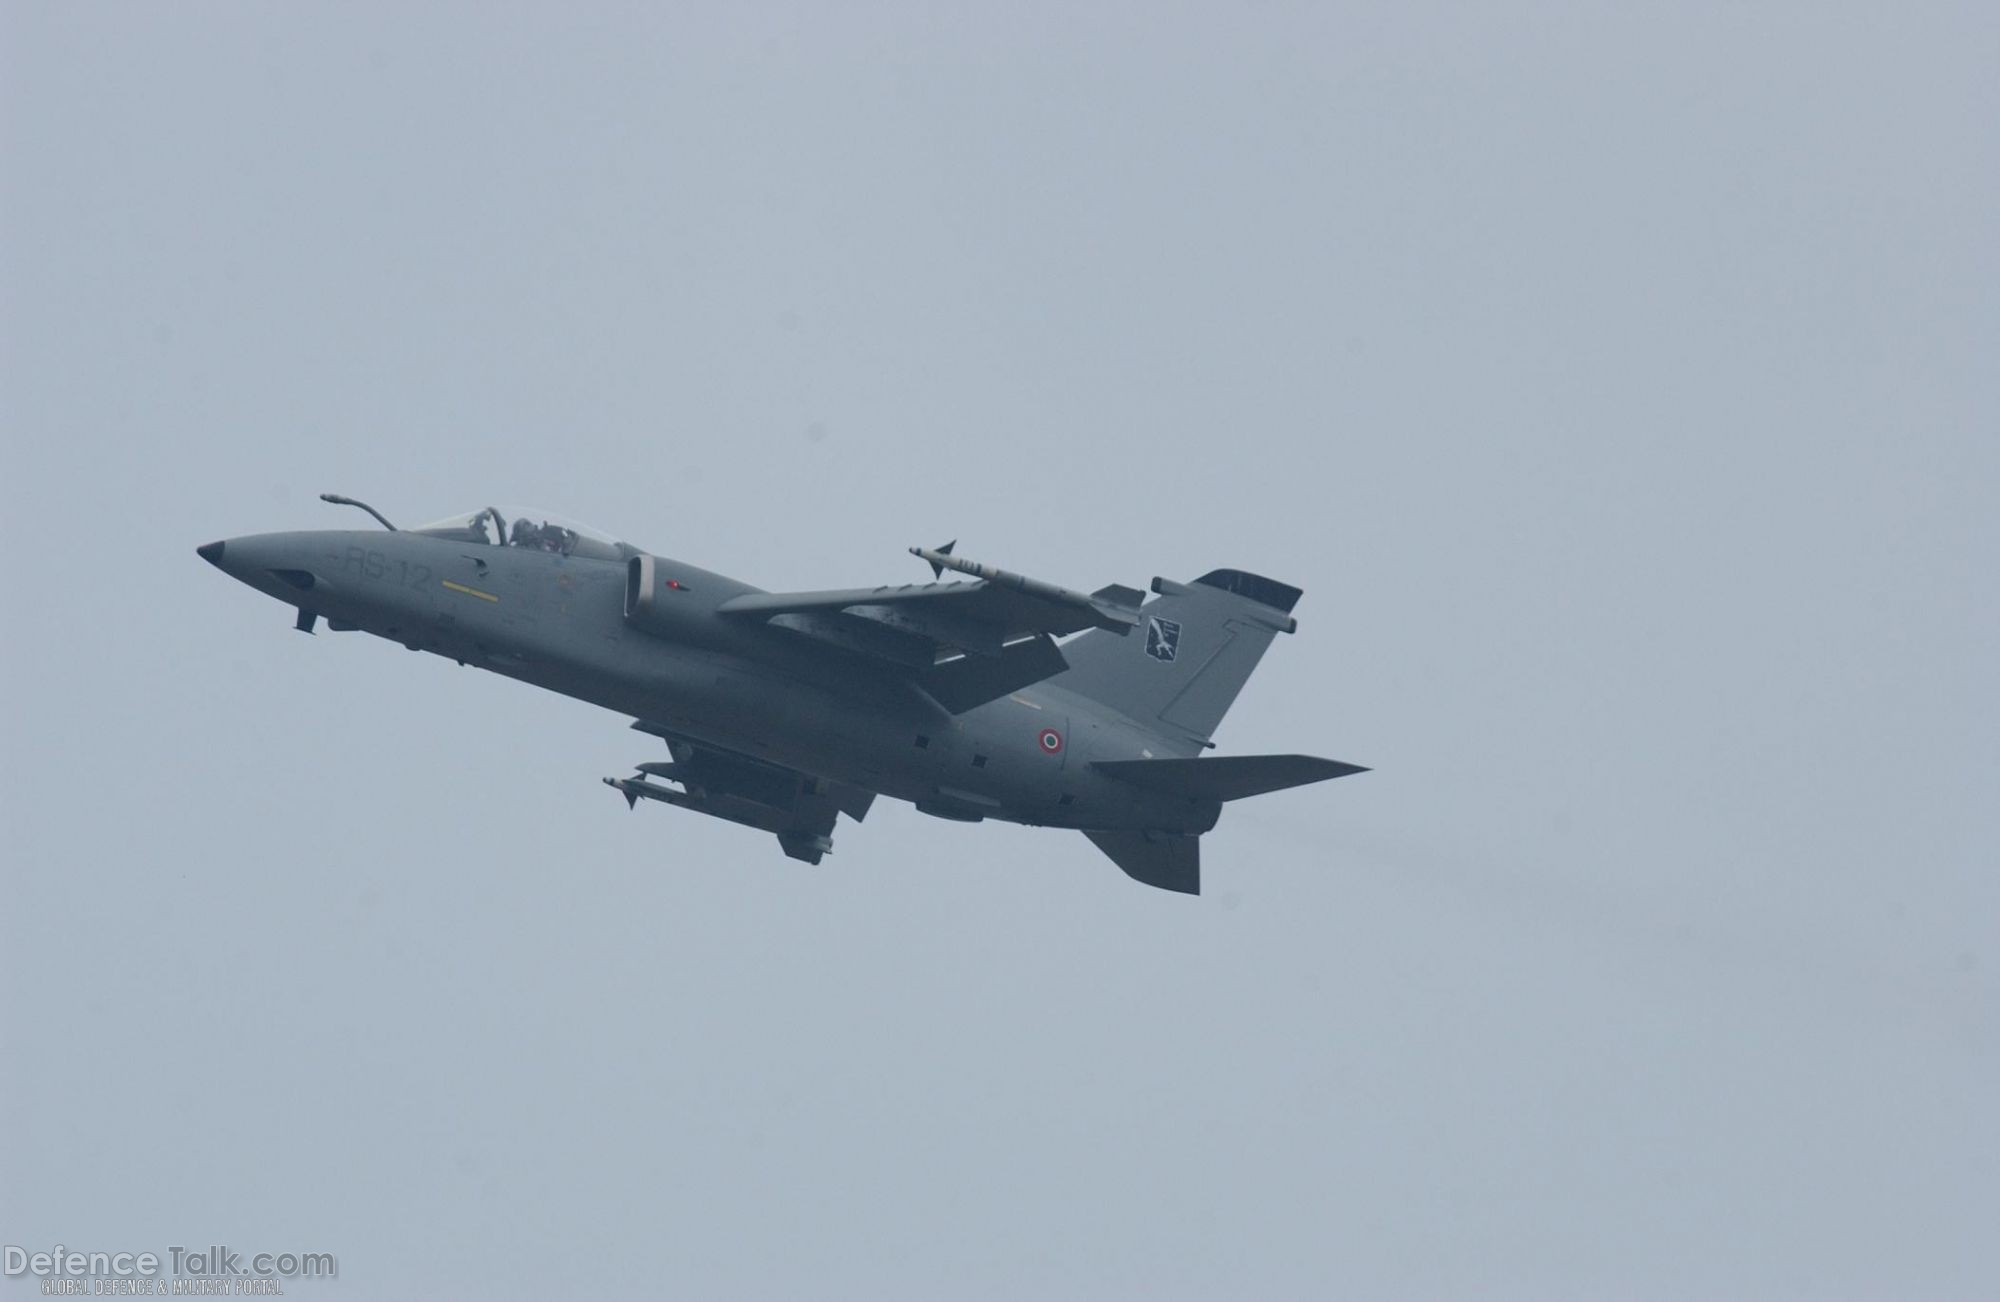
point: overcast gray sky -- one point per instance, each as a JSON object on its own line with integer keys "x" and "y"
{"x": 1618, "y": 382}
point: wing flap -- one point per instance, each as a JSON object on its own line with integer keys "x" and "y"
{"x": 965, "y": 682}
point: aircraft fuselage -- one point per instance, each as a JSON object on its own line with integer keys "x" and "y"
{"x": 560, "y": 622}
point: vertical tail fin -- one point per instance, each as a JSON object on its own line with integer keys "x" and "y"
{"x": 1195, "y": 647}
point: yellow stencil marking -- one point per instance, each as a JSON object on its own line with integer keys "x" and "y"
{"x": 470, "y": 592}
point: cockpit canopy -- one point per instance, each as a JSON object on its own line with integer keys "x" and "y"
{"x": 527, "y": 528}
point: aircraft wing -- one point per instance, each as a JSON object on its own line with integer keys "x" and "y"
{"x": 1007, "y": 621}
{"x": 798, "y": 808}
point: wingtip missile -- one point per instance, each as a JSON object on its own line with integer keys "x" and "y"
{"x": 938, "y": 557}
{"x": 1115, "y": 608}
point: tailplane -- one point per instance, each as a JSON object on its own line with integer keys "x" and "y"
{"x": 1225, "y": 777}
{"x": 1196, "y": 645}
{"x": 1172, "y": 860}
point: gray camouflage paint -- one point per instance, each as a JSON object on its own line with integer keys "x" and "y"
{"x": 647, "y": 636}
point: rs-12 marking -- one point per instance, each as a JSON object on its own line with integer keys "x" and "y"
{"x": 374, "y": 565}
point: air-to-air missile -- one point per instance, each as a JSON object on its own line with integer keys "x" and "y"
{"x": 1116, "y": 607}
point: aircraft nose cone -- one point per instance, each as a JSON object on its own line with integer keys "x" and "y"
{"x": 212, "y": 553}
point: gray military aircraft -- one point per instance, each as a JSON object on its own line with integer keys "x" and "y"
{"x": 784, "y": 710}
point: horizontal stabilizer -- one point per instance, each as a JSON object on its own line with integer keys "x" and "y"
{"x": 1168, "y": 860}
{"x": 1225, "y": 777}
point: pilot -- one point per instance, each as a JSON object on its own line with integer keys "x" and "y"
{"x": 526, "y": 534}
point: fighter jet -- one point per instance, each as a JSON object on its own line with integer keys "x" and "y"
{"x": 782, "y": 711}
